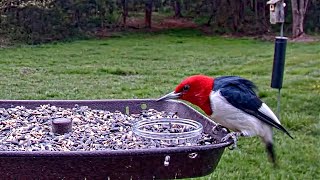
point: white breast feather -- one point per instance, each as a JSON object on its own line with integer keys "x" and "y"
{"x": 235, "y": 119}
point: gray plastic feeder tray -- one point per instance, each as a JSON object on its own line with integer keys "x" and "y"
{"x": 158, "y": 163}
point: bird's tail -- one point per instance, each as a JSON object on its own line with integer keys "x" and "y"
{"x": 271, "y": 153}
{"x": 268, "y": 140}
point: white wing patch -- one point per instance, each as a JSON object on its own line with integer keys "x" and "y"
{"x": 268, "y": 112}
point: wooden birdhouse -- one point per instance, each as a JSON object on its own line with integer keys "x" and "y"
{"x": 276, "y": 11}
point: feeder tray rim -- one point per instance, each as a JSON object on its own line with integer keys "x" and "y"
{"x": 166, "y": 150}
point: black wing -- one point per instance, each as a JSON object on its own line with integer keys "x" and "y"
{"x": 240, "y": 93}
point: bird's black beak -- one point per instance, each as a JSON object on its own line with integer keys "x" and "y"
{"x": 172, "y": 95}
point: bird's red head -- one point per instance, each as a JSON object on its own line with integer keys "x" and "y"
{"x": 195, "y": 89}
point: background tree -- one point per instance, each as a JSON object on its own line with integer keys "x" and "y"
{"x": 148, "y": 13}
{"x": 124, "y": 4}
{"x": 177, "y": 8}
{"x": 299, "y": 9}
{"x": 312, "y": 22}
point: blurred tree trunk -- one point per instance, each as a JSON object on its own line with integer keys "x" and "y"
{"x": 148, "y": 13}
{"x": 177, "y": 9}
{"x": 213, "y": 11}
{"x": 124, "y": 11}
{"x": 237, "y": 13}
{"x": 256, "y": 13}
{"x": 299, "y": 9}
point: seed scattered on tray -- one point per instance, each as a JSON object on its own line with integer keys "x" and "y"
{"x": 23, "y": 129}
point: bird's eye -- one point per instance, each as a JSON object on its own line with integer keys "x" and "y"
{"x": 186, "y": 87}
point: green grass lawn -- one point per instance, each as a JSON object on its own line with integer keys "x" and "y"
{"x": 150, "y": 65}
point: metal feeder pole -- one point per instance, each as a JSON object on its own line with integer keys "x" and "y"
{"x": 279, "y": 90}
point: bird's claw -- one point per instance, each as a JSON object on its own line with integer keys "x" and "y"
{"x": 234, "y": 136}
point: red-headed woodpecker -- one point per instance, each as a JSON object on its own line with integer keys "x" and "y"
{"x": 231, "y": 102}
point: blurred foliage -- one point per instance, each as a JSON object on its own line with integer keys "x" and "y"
{"x": 37, "y": 21}
{"x": 313, "y": 17}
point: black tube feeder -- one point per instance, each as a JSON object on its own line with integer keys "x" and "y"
{"x": 278, "y": 66}
{"x": 278, "y": 62}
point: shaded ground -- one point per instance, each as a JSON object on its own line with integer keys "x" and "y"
{"x": 167, "y": 23}
{"x": 158, "y": 24}
{"x": 137, "y": 24}
{"x": 305, "y": 38}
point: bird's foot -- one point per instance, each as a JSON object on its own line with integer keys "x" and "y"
{"x": 234, "y": 136}
{"x": 218, "y": 128}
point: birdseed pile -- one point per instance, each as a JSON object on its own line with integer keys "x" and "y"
{"x": 23, "y": 129}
